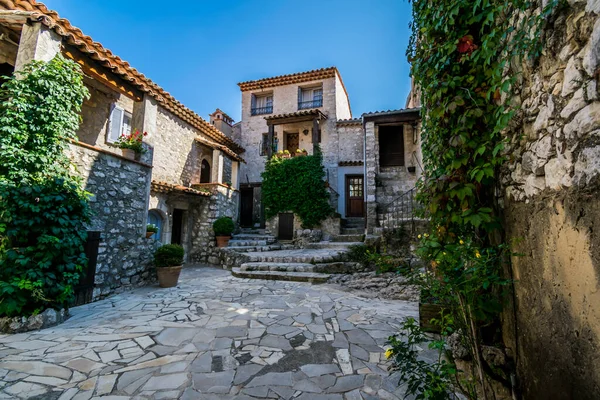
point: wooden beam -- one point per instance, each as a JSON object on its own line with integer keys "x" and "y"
{"x": 14, "y": 16}
{"x": 98, "y": 74}
{"x": 315, "y": 134}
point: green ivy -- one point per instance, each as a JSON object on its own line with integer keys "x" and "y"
{"x": 297, "y": 185}
{"x": 43, "y": 208}
{"x": 462, "y": 54}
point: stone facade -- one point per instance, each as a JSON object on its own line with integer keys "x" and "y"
{"x": 342, "y": 140}
{"x": 550, "y": 186}
{"x": 119, "y": 189}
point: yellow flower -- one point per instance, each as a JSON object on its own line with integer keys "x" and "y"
{"x": 389, "y": 353}
{"x": 419, "y": 236}
{"x": 426, "y": 235}
{"x": 461, "y": 242}
{"x": 444, "y": 253}
{"x": 477, "y": 254}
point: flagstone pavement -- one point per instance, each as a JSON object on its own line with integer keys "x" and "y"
{"x": 212, "y": 337}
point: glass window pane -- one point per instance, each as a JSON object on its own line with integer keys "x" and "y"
{"x": 126, "y": 130}
{"x": 115, "y": 124}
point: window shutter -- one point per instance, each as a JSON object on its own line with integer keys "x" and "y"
{"x": 252, "y": 104}
{"x": 299, "y": 96}
{"x": 114, "y": 124}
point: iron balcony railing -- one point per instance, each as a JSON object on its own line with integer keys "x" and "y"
{"x": 303, "y": 105}
{"x": 262, "y": 110}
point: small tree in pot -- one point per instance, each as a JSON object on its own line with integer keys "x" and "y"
{"x": 223, "y": 228}
{"x": 168, "y": 260}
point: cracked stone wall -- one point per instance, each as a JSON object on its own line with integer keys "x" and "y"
{"x": 550, "y": 194}
{"x": 119, "y": 190}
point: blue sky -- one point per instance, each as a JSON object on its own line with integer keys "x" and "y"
{"x": 199, "y": 53}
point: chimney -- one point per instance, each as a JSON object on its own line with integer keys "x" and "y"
{"x": 222, "y": 122}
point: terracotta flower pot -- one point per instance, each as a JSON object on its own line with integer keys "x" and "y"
{"x": 168, "y": 276}
{"x": 223, "y": 241}
{"x": 128, "y": 153}
{"x": 149, "y": 234}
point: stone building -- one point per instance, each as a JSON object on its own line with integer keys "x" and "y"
{"x": 297, "y": 111}
{"x": 185, "y": 180}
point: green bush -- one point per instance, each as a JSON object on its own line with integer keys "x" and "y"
{"x": 223, "y": 226}
{"x": 151, "y": 228}
{"x": 43, "y": 208}
{"x": 168, "y": 255}
{"x": 297, "y": 185}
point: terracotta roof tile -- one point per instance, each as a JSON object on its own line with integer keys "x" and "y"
{"x": 164, "y": 187}
{"x": 74, "y": 36}
{"x": 218, "y": 146}
{"x": 350, "y": 163}
{"x": 316, "y": 113}
{"x": 299, "y": 77}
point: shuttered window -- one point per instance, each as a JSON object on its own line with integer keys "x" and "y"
{"x": 391, "y": 146}
{"x": 119, "y": 124}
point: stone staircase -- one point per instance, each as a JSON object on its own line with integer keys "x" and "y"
{"x": 258, "y": 255}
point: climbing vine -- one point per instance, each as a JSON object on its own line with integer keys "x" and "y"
{"x": 43, "y": 208}
{"x": 465, "y": 56}
{"x": 296, "y": 184}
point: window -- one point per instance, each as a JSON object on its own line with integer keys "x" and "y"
{"x": 310, "y": 97}
{"x": 264, "y": 144}
{"x": 391, "y": 146}
{"x": 119, "y": 124}
{"x": 205, "y": 173}
{"x": 261, "y": 104}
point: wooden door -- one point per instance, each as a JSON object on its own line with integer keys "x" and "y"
{"x": 286, "y": 226}
{"x": 246, "y": 207}
{"x": 293, "y": 143}
{"x": 177, "y": 232}
{"x": 355, "y": 201}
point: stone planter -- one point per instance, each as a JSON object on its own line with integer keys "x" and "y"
{"x": 128, "y": 153}
{"x": 168, "y": 276}
{"x": 46, "y": 319}
{"x": 223, "y": 241}
{"x": 149, "y": 234}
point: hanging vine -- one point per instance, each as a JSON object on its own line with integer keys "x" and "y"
{"x": 461, "y": 53}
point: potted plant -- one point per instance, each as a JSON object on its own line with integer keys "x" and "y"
{"x": 223, "y": 228}
{"x": 168, "y": 260}
{"x": 132, "y": 145}
{"x": 151, "y": 229}
{"x": 301, "y": 152}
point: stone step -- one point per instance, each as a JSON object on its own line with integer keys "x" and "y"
{"x": 253, "y": 236}
{"x": 331, "y": 245}
{"x": 349, "y": 238}
{"x": 353, "y": 231}
{"x": 311, "y": 277}
{"x": 261, "y": 249}
{"x": 281, "y": 267}
{"x": 254, "y": 231}
{"x": 309, "y": 256}
{"x": 238, "y": 243}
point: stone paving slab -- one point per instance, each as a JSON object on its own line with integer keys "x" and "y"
{"x": 212, "y": 337}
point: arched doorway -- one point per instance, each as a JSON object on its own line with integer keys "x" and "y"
{"x": 155, "y": 218}
{"x": 205, "y": 172}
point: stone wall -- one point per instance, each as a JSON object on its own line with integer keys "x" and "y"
{"x": 223, "y": 202}
{"x": 550, "y": 185}
{"x": 119, "y": 189}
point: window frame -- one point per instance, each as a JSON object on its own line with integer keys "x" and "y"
{"x": 316, "y": 102}
{"x": 267, "y": 109}
{"x": 109, "y": 131}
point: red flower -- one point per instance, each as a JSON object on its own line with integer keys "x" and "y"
{"x": 145, "y": 133}
{"x": 466, "y": 45}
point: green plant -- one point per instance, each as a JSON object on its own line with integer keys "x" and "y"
{"x": 223, "y": 226}
{"x": 466, "y": 56}
{"x": 43, "y": 208}
{"x": 296, "y": 184}
{"x": 423, "y": 379}
{"x": 360, "y": 253}
{"x": 133, "y": 141}
{"x": 151, "y": 228}
{"x": 168, "y": 255}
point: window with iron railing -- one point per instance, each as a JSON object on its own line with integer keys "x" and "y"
{"x": 310, "y": 98}
{"x": 261, "y": 105}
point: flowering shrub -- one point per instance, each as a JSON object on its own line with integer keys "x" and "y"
{"x": 134, "y": 141}
{"x": 151, "y": 228}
